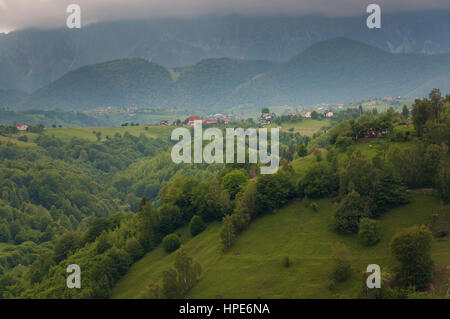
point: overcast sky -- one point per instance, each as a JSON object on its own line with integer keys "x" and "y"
{"x": 18, "y": 14}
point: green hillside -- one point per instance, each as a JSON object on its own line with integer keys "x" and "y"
{"x": 337, "y": 70}
{"x": 254, "y": 266}
{"x": 87, "y": 132}
{"x": 119, "y": 82}
{"x": 112, "y": 201}
{"x": 340, "y": 70}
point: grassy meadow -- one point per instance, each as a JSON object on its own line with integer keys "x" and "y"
{"x": 87, "y": 132}
{"x": 306, "y": 127}
{"x": 254, "y": 266}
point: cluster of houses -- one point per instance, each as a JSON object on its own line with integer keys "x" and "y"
{"x": 326, "y": 113}
{"x": 217, "y": 119}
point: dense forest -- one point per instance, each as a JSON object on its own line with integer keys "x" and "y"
{"x": 347, "y": 68}
{"x": 104, "y": 204}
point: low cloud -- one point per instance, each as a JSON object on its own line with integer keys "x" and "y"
{"x": 18, "y": 14}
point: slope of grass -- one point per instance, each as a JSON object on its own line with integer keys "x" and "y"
{"x": 254, "y": 266}
{"x": 306, "y": 127}
{"x": 87, "y": 132}
{"x": 13, "y": 138}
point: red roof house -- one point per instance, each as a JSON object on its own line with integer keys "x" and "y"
{"x": 21, "y": 126}
{"x": 193, "y": 118}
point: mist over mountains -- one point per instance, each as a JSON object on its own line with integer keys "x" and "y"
{"x": 32, "y": 58}
{"x": 332, "y": 71}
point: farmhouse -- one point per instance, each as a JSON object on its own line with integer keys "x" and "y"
{"x": 192, "y": 120}
{"x": 21, "y": 127}
{"x": 328, "y": 113}
{"x": 164, "y": 122}
{"x": 307, "y": 114}
{"x": 267, "y": 118}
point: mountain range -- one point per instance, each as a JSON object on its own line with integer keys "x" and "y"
{"x": 332, "y": 71}
{"x": 32, "y": 58}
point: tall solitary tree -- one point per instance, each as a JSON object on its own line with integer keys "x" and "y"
{"x": 228, "y": 232}
{"x": 405, "y": 112}
{"x": 436, "y": 103}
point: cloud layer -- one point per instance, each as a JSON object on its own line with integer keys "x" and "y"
{"x": 18, "y": 14}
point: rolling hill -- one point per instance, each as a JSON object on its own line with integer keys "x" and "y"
{"x": 253, "y": 268}
{"x": 332, "y": 71}
{"x": 32, "y": 58}
{"x": 118, "y": 82}
{"x": 340, "y": 70}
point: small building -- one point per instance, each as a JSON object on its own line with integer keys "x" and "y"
{"x": 21, "y": 127}
{"x": 192, "y": 120}
{"x": 164, "y": 122}
{"x": 307, "y": 114}
{"x": 209, "y": 122}
{"x": 267, "y": 118}
{"x": 328, "y": 113}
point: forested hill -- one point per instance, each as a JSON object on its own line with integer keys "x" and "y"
{"x": 333, "y": 71}
{"x": 104, "y": 199}
{"x": 32, "y": 58}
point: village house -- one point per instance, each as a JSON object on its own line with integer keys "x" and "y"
{"x": 209, "y": 122}
{"x": 164, "y": 122}
{"x": 267, "y": 118}
{"x": 328, "y": 113}
{"x": 192, "y": 119}
{"x": 21, "y": 127}
{"x": 307, "y": 114}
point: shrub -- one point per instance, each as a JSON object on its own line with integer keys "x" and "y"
{"x": 197, "y": 225}
{"x": 134, "y": 249}
{"x": 23, "y": 138}
{"x": 302, "y": 151}
{"x": 171, "y": 243}
{"x": 315, "y": 206}
{"x": 351, "y": 210}
{"x": 343, "y": 142}
{"x": 368, "y": 231}
{"x": 318, "y": 156}
{"x": 234, "y": 180}
{"x": 412, "y": 249}
{"x": 286, "y": 262}
{"x": 331, "y": 285}
{"x": 341, "y": 267}
{"x": 318, "y": 181}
